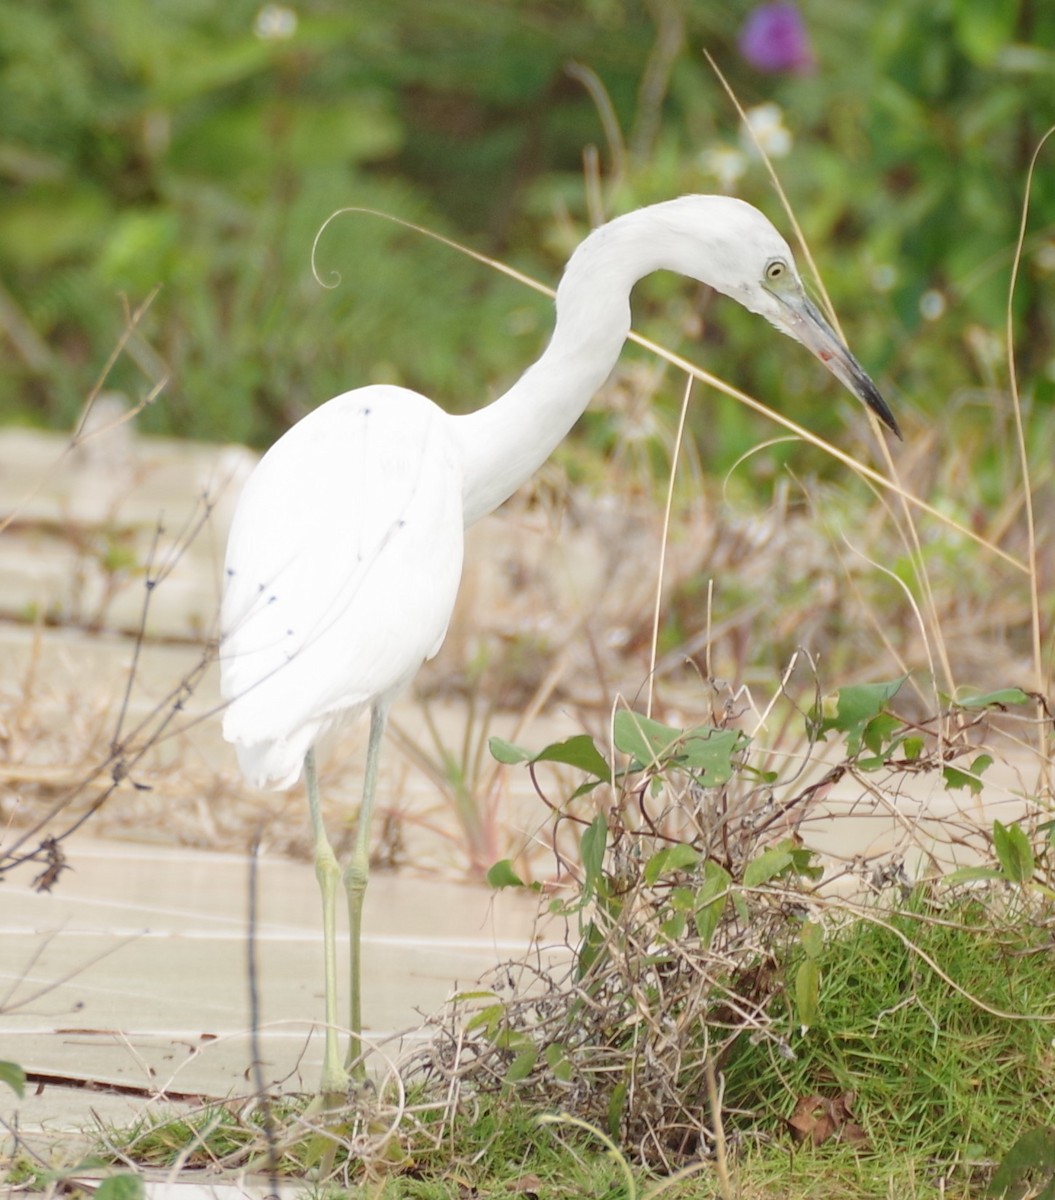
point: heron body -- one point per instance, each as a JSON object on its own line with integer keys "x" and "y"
{"x": 345, "y": 551}
{"x": 358, "y": 503}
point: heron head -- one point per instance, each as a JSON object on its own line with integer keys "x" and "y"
{"x": 739, "y": 253}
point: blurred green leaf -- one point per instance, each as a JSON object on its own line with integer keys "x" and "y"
{"x": 14, "y": 1076}
{"x": 711, "y": 898}
{"x": 668, "y": 860}
{"x": 1028, "y": 1168}
{"x": 812, "y": 939}
{"x": 971, "y": 779}
{"x": 1013, "y": 852}
{"x": 1004, "y": 698}
{"x": 983, "y": 27}
{"x": 578, "y": 751}
{"x": 505, "y": 752}
{"x": 857, "y": 712}
{"x": 502, "y": 875}
{"x": 592, "y": 847}
{"x": 807, "y": 993}
{"x": 558, "y": 1062}
{"x": 125, "y": 1186}
{"x": 522, "y": 1065}
{"x": 703, "y": 750}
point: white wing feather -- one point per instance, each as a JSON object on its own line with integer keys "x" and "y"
{"x": 342, "y": 570}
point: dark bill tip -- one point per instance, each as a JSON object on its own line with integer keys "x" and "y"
{"x": 869, "y": 393}
{"x": 811, "y": 328}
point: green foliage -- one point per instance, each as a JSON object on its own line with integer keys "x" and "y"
{"x": 927, "y": 1013}
{"x": 936, "y": 1015}
{"x": 14, "y": 1077}
{"x": 860, "y": 713}
{"x": 125, "y": 1186}
{"x": 199, "y": 147}
{"x": 1028, "y": 1168}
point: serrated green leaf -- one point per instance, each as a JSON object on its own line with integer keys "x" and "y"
{"x": 668, "y": 860}
{"x": 125, "y": 1186}
{"x": 1014, "y": 852}
{"x": 14, "y": 1076}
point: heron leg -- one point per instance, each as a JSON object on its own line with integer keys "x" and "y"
{"x": 356, "y": 875}
{"x": 328, "y": 873}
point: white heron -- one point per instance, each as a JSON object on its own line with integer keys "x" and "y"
{"x": 345, "y": 550}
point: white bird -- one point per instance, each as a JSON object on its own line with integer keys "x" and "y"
{"x": 345, "y": 550}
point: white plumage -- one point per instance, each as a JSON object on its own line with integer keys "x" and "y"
{"x": 346, "y": 546}
{"x": 310, "y": 629}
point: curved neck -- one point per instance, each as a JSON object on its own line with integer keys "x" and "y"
{"x": 506, "y": 442}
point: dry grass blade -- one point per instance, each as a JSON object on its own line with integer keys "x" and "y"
{"x": 1040, "y": 676}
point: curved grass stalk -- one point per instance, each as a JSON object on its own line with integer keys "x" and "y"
{"x": 683, "y": 364}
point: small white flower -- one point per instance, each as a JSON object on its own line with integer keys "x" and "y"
{"x": 932, "y": 305}
{"x": 726, "y": 164}
{"x": 766, "y": 122}
{"x": 275, "y": 23}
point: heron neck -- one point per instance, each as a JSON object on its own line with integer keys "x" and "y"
{"x": 506, "y": 442}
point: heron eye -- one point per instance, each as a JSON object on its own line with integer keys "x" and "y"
{"x": 776, "y": 269}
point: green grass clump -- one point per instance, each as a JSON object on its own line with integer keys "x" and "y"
{"x": 936, "y": 1017}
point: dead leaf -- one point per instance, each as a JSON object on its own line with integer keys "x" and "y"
{"x": 818, "y": 1118}
{"x": 526, "y": 1185}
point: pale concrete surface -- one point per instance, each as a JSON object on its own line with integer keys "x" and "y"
{"x": 134, "y": 972}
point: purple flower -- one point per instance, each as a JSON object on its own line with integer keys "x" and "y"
{"x": 774, "y": 38}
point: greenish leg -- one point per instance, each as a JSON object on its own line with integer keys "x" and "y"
{"x": 356, "y": 876}
{"x": 328, "y": 873}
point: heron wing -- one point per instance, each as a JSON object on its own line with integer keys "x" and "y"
{"x": 342, "y": 567}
